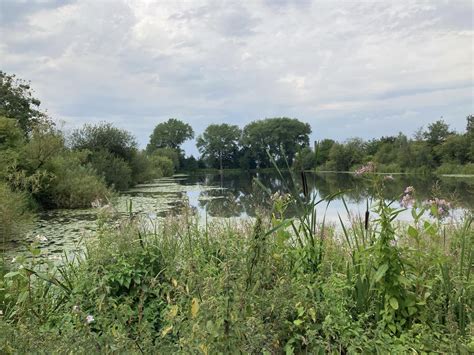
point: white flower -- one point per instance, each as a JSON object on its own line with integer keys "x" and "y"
{"x": 76, "y": 309}
{"x": 1, "y": 312}
{"x": 14, "y": 260}
{"x": 89, "y": 319}
{"x": 96, "y": 203}
{"x": 152, "y": 215}
{"x": 41, "y": 238}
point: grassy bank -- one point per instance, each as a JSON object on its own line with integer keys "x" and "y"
{"x": 275, "y": 285}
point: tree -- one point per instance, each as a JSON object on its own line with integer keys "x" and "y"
{"x": 219, "y": 143}
{"x": 17, "y": 102}
{"x": 470, "y": 125}
{"x": 322, "y": 151}
{"x": 170, "y": 134}
{"x": 282, "y": 137}
{"x": 344, "y": 156}
{"x": 304, "y": 159}
{"x": 437, "y": 133}
{"x": 104, "y": 136}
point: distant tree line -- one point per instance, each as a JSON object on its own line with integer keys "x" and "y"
{"x": 286, "y": 140}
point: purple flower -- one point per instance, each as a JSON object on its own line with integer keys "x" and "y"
{"x": 439, "y": 207}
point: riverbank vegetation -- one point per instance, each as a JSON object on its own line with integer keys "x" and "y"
{"x": 43, "y": 168}
{"x": 275, "y": 284}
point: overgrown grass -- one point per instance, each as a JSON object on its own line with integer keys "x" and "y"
{"x": 248, "y": 287}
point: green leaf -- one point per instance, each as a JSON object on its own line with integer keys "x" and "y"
{"x": 11, "y": 274}
{"x": 297, "y": 322}
{"x": 380, "y": 272}
{"x": 393, "y": 303}
{"x": 412, "y": 232}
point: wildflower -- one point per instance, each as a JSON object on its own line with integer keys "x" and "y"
{"x": 439, "y": 207}
{"x": 368, "y": 168}
{"x": 96, "y": 203}
{"x": 407, "y": 201}
{"x": 1, "y": 312}
{"x": 409, "y": 190}
{"x": 275, "y": 196}
{"x": 41, "y": 238}
{"x": 388, "y": 178}
{"x": 89, "y": 319}
{"x": 14, "y": 260}
{"x": 152, "y": 215}
{"x": 76, "y": 309}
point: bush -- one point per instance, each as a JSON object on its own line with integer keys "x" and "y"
{"x": 116, "y": 171}
{"x": 15, "y": 215}
{"x": 162, "y": 165}
{"x": 75, "y": 185}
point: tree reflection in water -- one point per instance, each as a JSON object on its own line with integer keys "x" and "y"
{"x": 239, "y": 196}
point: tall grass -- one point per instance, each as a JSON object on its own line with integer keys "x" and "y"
{"x": 273, "y": 285}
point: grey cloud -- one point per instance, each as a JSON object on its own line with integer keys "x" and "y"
{"x": 347, "y": 68}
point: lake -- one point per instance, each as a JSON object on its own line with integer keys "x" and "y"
{"x": 232, "y": 195}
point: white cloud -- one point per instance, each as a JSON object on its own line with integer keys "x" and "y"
{"x": 365, "y": 65}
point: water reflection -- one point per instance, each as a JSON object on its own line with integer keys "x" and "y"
{"x": 234, "y": 195}
{"x": 239, "y": 196}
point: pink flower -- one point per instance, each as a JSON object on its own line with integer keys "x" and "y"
{"x": 368, "y": 168}
{"x": 439, "y": 207}
{"x": 409, "y": 190}
{"x": 407, "y": 201}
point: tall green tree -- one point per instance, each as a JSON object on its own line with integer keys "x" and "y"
{"x": 170, "y": 134}
{"x": 282, "y": 137}
{"x": 437, "y": 132}
{"x": 17, "y": 102}
{"x": 219, "y": 143}
{"x": 322, "y": 150}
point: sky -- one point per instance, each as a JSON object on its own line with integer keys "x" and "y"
{"x": 348, "y": 68}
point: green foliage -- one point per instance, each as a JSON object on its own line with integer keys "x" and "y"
{"x": 437, "y": 133}
{"x": 282, "y": 137}
{"x": 170, "y": 134}
{"x": 17, "y": 102}
{"x": 219, "y": 144}
{"x": 169, "y": 153}
{"x": 163, "y": 165}
{"x": 342, "y": 157}
{"x": 115, "y": 170}
{"x": 278, "y": 284}
{"x": 305, "y": 160}
{"x": 104, "y": 137}
{"x": 15, "y": 214}
{"x": 322, "y": 151}
{"x": 75, "y": 184}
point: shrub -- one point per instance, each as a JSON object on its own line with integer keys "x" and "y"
{"x": 116, "y": 172}
{"x": 162, "y": 164}
{"x": 15, "y": 216}
{"x": 75, "y": 185}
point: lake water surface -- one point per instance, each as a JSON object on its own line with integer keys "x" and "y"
{"x": 233, "y": 195}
